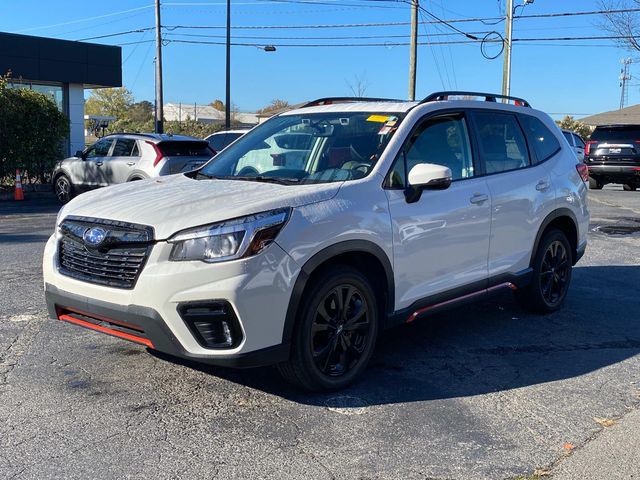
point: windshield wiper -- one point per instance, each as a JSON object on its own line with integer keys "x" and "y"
{"x": 262, "y": 178}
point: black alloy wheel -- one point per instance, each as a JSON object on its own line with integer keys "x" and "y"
{"x": 335, "y": 332}
{"x": 63, "y": 189}
{"x": 555, "y": 273}
{"x": 340, "y": 330}
{"x": 552, "y": 267}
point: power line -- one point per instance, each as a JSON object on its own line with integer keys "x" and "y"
{"x": 386, "y": 44}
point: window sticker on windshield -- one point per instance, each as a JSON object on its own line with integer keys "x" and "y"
{"x": 306, "y": 121}
{"x": 344, "y": 121}
{"x": 378, "y": 118}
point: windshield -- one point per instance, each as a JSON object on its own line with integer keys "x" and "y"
{"x": 313, "y": 148}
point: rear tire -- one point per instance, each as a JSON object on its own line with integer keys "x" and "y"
{"x": 63, "y": 188}
{"x": 335, "y": 332}
{"x": 595, "y": 184}
{"x": 629, "y": 188}
{"x": 552, "y": 267}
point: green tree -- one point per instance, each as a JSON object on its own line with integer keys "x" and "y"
{"x": 32, "y": 133}
{"x": 141, "y": 111}
{"x": 582, "y": 129}
{"x": 113, "y": 102}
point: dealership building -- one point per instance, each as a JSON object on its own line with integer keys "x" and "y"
{"x": 62, "y": 70}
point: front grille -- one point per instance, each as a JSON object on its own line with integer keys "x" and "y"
{"x": 116, "y": 260}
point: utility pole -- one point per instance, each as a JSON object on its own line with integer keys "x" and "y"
{"x": 506, "y": 68}
{"x": 159, "y": 120}
{"x": 227, "y": 103}
{"x": 624, "y": 78}
{"x": 413, "y": 50}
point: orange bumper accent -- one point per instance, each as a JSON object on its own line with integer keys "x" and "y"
{"x": 109, "y": 331}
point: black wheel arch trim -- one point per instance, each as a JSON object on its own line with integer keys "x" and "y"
{"x": 347, "y": 246}
{"x": 558, "y": 213}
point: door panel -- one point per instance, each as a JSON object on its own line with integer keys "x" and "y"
{"x": 520, "y": 201}
{"x": 521, "y": 193}
{"x": 441, "y": 241}
{"x": 124, "y": 158}
{"x": 91, "y": 172}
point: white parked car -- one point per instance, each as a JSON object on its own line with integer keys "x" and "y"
{"x": 576, "y": 143}
{"x": 220, "y": 140}
{"x": 397, "y": 210}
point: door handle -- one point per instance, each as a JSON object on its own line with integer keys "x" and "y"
{"x": 479, "y": 198}
{"x": 542, "y": 186}
{"x": 99, "y": 164}
{"x": 131, "y": 164}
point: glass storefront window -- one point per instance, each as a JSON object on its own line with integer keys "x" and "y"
{"x": 54, "y": 92}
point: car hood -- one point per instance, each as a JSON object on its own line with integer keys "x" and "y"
{"x": 173, "y": 203}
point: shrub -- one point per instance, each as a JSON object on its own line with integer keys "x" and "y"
{"x": 32, "y": 133}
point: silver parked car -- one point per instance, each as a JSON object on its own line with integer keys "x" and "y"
{"x": 124, "y": 157}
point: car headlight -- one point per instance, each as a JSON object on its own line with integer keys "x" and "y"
{"x": 229, "y": 240}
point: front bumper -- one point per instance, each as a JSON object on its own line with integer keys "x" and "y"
{"x": 257, "y": 289}
{"x": 145, "y": 326}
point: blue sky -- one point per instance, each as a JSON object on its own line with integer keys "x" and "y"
{"x": 558, "y": 79}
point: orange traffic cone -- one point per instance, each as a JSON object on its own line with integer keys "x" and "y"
{"x": 18, "y": 194}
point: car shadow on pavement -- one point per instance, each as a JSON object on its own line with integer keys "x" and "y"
{"x": 487, "y": 347}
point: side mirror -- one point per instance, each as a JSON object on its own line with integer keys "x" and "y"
{"x": 426, "y": 176}
{"x": 80, "y": 154}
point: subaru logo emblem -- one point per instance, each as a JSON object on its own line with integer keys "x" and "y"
{"x": 94, "y": 236}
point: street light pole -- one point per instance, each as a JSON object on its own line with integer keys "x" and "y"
{"x": 413, "y": 50}
{"x": 159, "y": 117}
{"x": 227, "y": 103}
{"x": 506, "y": 67}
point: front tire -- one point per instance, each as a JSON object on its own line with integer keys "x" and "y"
{"x": 552, "y": 267}
{"x": 63, "y": 188}
{"x": 335, "y": 332}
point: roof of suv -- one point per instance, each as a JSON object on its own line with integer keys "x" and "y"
{"x": 158, "y": 137}
{"x": 355, "y": 104}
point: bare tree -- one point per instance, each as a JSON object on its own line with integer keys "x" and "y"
{"x": 622, "y": 24}
{"x": 358, "y": 85}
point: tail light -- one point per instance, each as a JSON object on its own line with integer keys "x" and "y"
{"x": 583, "y": 171}
{"x": 159, "y": 154}
{"x": 587, "y": 148}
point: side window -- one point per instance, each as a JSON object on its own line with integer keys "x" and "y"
{"x": 442, "y": 141}
{"x": 124, "y": 147}
{"x": 543, "y": 141}
{"x": 501, "y": 142}
{"x": 136, "y": 150}
{"x": 568, "y": 136}
{"x": 579, "y": 141}
{"x": 100, "y": 148}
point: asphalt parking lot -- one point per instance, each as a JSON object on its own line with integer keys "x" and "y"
{"x": 488, "y": 391}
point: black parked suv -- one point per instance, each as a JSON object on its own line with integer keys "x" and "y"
{"x": 613, "y": 156}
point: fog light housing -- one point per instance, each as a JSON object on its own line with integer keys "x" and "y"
{"x": 212, "y": 323}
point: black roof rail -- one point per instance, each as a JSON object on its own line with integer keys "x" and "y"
{"x": 151, "y": 135}
{"x": 332, "y": 100}
{"x": 488, "y": 97}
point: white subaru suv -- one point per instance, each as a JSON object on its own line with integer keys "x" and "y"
{"x": 322, "y": 227}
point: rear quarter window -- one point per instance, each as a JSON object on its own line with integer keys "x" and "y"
{"x": 541, "y": 139}
{"x": 185, "y": 149}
